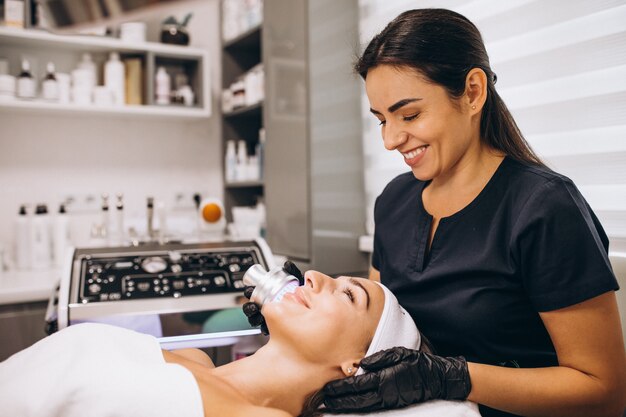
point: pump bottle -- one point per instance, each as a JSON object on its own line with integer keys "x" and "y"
{"x": 26, "y": 86}
{"x": 270, "y": 286}
{"x": 50, "y": 86}
{"x": 41, "y": 256}
{"x": 60, "y": 236}
{"x": 23, "y": 239}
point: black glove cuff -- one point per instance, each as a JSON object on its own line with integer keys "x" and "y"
{"x": 458, "y": 384}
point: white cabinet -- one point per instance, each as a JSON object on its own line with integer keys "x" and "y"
{"x": 65, "y": 51}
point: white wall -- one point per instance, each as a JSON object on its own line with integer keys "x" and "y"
{"x": 561, "y": 69}
{"x": 44, "y": 158}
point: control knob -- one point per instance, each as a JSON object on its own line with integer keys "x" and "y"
{"x": 154, "y": 264}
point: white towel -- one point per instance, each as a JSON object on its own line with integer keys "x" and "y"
{"x": 96, "y": 370}
{"x": 435, "y": 408}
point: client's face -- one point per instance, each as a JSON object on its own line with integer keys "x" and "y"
{"x": 328, "y": 319}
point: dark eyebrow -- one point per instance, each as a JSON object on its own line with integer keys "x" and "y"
{"x": 397, "y": 105}
{"x": 358, "y": 284}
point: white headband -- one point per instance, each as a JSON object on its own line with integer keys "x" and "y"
{"x": 395, "y": 328}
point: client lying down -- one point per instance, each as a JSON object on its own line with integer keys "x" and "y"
{"x": 319, "y": 333}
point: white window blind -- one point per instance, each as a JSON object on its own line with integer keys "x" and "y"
{"x": 561, "y": 67}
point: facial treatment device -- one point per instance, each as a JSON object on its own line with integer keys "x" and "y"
{"x": 270, "y": 286}
{"x": 138, "y": 284}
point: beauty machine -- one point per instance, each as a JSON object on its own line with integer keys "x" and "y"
{"x": 170, "y": 291}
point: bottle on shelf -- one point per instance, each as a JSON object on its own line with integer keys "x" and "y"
{"x": 230, "y": 163}
{"x": 242, "y": 161}
{"x": 114, "y": 78}
{"x": 106, "y": 222}
{"x": 40, "y": 239}
{"x": 87, "y": 63}
{"x": 163, "y": 87}
{"x": 119, "y": 219}
{"x": 61, "y": 240}
{"x": 23, "y": 239}
{"x": 14, "y": 13}
{"x": 26, "y": 86}
{"x": 260, "y": 151}
{"x": 50, "y": 85}
{"x": 84, "y": 79}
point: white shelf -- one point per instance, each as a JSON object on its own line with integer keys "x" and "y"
{"x": 38, "y": 38}
{"x": 41, "y": 42}
{"x": 171, "y": 112}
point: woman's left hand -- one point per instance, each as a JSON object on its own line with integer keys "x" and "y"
{"x": 398, "y": 377}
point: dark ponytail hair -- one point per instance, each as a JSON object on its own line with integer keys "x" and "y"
{"x": 445, "y": 46}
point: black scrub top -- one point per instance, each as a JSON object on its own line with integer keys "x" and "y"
{"x": 528, "y": 243}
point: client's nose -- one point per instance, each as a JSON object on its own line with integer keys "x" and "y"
{"x": 314, "y": 280}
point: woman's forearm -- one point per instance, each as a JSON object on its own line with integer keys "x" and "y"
{"x": 554, "y": 392}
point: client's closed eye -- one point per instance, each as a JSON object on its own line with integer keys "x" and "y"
{"x": 349, "y": 293}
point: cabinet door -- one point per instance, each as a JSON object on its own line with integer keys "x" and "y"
{"x": 21, "y": 325}
{"x": 287, "y": 163}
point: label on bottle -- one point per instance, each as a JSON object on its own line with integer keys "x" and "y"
{"x": 14, "y": 13}
{"x": 26, "y": 87}
{"x": 50, "y": 90}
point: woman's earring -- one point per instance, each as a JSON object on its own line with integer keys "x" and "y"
{"x": 474, "y": 107}
{"x": 350, "y": 369}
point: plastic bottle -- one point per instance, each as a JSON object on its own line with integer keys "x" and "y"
{"x": 119, "y": 219}
{"x": 22, "y": 239}
{"x": 230, "y": 163}
{"x": 50, "y": 86}
{"x": 270, "y": 286}
{"x": 241, "y": 171}
{"x": 26, "y": 86}
{"x": 260, "y": 151}
{"x": 87, "y": 64}
{"x": 114, "y": 78}
{"x": 60, "y": 236}
{"x": 163, "y": 87}
{"x": 260, "y": 207}
{"x": 40, "y": 239}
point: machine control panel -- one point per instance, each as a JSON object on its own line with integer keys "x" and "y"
{"x": 171, "y": 274}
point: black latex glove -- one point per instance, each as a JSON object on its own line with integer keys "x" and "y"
{"x": 253, "y": 311}
{"x": 398, "y": 377}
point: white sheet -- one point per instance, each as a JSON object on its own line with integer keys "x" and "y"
{"x": 96, "y": 370}
{"x": 435, "y": 408}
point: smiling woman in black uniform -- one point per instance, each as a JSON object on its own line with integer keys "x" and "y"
{"x": 501, "y": 262}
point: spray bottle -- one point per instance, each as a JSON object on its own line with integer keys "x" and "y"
{"x": 270, "y": 286}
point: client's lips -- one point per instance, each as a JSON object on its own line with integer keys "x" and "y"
{"x": 299, "y": 296}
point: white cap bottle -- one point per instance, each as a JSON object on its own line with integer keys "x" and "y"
{"x": 163, "y": 87}
{"x": 60, "y": 236}
{"x": 22, "y": 239}
{"x": 40, "y": 239}
{"x": 115, "y": 79}
{"x": 87, "y": 64}
{"x": 50, "y": 86}
{"x": 242, "y": 161}
{"x": 230, "y": 161}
